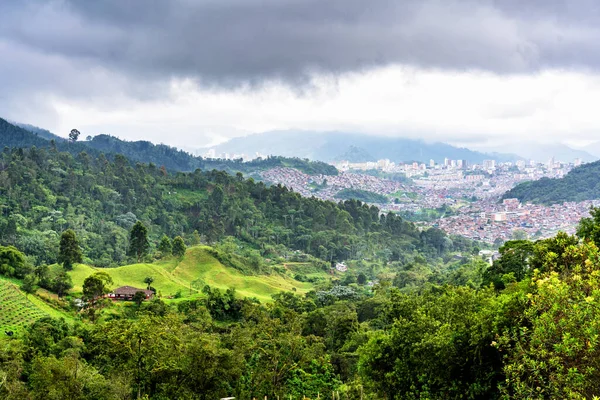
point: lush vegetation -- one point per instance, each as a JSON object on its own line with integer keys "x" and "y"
{"x": 18, "y": 310}
{"x": 527, "y": 327}
{"x": 45, "y": 192}
{"x": 260, "y": 312}
{"x": 361, "y": 195}
{"x": 582, "y": 183}
{"x": 161, "y": 155}
{"x": 186, "y": 277}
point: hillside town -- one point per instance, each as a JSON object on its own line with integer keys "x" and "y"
{"x": 494, "y": 222}
{"x": 454, "y": 196}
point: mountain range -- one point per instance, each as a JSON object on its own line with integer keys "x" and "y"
{"x": 354, "y": 147}
{"x": 542, "y": 152}
{"x": 173, "y": 159}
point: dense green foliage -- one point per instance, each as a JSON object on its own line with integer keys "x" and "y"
{"x": 178, "y": 246}
{"x": 581, "y": 183}
{"x": 44, "y": 192}
{"x": 161, "y": 155}
{"x": 69, "y": 252}
{"x": 410, "y": 319}
{"x": 361, "y": 195}
{"x": 536, "y": 338}
{"x": 138, "y": 241}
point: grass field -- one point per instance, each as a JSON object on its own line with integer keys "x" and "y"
{"x": 17, "y": 310}
{"x": 189, "y": 275}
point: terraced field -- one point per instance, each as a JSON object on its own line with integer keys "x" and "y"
{"x": 17, "y": 311}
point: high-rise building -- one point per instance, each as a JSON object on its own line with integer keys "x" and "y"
{"x": 489, "y": 164}
{"x": 431, "y": 163}
{"x": 210, "y": 153}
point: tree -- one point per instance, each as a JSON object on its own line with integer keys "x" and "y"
{"x": 195, "y": 238}
{"x": 512, "y": 265}
{"x": 589, "y": 228}
{"x": 61, "y": 283}
{"x": 28, "y": 285}
{"x": 96, "y": 285}
{"x": 165, "y": 247}
{"x": 138, "y": 241}
{"x": 148, "y": 281}
{"x": 178, "y": 247}
{"x": 69, "y": 251}
{"x": 74, "y": 135}
{"x": 12, "y": 262}
{"x": 361, "y": 279}
{"x": 554, "y": 353}
{"x": 139, "y": 297}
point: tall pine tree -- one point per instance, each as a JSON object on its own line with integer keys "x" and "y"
{"x": 138, "y": 241}
{"x": 69, "y": 252}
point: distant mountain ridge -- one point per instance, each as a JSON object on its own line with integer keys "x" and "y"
{"x": 43, "y": 133}
{"x": 332, "y": 146}
{"x": 543, "y": 152}
{"x": 171, "y": 158}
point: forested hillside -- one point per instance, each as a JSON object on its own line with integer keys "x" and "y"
{"x": 44, "y": 191}
{"x": 524, "y": 328}
{"x": 582, "y": 183}
{"x": 171, "y": 158}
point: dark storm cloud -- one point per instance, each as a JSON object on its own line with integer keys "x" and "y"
{"x": 108, "y": 52}
{"x": 233, "y": 41}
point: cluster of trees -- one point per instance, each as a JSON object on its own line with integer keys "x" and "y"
{"x": 44, "y": 192}
{"x": 533, "y": 336}
{"x": 580, "y": 184}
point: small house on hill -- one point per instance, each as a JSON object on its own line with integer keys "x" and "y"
{"x": 127, "y": 293}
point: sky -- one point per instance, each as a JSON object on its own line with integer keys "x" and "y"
{"x": 193, "y": 73}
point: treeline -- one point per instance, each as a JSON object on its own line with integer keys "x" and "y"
{"x": 178, "y": 160}
{"x": 581, "y": 183}
{"x": 43, "y": 192}
{"x": 161, "y": 155}
{"x": 529, "y": 329}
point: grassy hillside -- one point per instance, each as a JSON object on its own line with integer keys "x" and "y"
{"x": 196, "y": 269}
{"x": 17, "y": 311}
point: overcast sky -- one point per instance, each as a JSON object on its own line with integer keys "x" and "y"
{"x": 192, "y": 73}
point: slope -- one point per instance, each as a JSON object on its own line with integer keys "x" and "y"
{"x": 327, "y": 146}
{"x": 582, "y": 183}
{"x": 189, "y": 275}
{"x": 542, "y": 152}
{"x": 173, "y": 159}
{"x": 17, "y": 310}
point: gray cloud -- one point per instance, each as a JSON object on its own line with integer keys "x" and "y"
{"x": 231, "y": 41}
{"x": 117, "y": 50}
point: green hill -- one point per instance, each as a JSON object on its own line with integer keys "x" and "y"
{"x": 196, "y": 269}
{"x": 17, "y": 310}
{"x": 173, "y": 159}
{"x": 582, "y": 183}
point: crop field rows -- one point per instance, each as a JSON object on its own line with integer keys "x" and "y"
{"x": 16, "y": 310}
